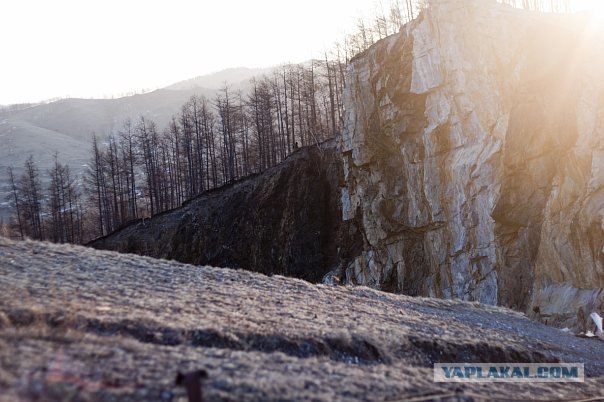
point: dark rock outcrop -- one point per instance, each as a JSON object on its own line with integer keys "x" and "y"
{"x": 285, "y": 221}
{"x": 474, "y": 159}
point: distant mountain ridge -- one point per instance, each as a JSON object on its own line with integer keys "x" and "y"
{"x": 239, "y": 76}
{"x": 66, "y": 126}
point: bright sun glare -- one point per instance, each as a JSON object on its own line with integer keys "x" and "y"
{"x": 596, "y": 10}
{"x": 108, "y": 47}
{"x": 595, "y": 7}
{"x": 599, "y": 11}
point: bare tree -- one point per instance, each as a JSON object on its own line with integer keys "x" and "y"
{"x": 64, "y": 224}
{"x": 31, "y": 196}
{"x": 127, "y": 140}
{"x": 15, "y": 197}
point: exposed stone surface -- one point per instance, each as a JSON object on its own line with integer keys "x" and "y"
{"x": 474, "y": 159}
{"x": 85, "y": 325}
{"x": 285, "y": 221}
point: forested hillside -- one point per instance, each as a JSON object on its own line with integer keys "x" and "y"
{"x": 144, "y": 169}
{"x": 285, "y": 221}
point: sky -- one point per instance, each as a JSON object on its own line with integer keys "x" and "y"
{"x": 99, "y": 48}
{"x": 104, "y": 48}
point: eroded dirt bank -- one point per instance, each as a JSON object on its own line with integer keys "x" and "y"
{"x": 80, "y": 324}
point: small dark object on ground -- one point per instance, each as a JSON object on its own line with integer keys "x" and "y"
{"x": 192, "y": 383}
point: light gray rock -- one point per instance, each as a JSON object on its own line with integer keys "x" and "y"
{"x": 474, "y": 162}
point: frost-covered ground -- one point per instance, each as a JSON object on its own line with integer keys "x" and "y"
{"x": 78, "y": 324}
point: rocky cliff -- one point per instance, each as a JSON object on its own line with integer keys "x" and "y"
{"x": 474, "y": 159}
{"x": 78, "y": 324}
{"x": 285, "y": 221}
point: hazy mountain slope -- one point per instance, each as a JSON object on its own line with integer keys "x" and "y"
{"x": 92, "y": 325}
{"x": 19, "y": 139}
{"x": 79, "y": 118}
{"x": 66, "y": 126}
{"x": 22, "y": 137}
{"x": 233, "y": 76}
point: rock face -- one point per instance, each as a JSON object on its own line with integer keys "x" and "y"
{"x": 473, "y": 152}
{"x": 285, "y": 221}
{"x": 85, "y": 325}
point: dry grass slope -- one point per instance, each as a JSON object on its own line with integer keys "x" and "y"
{"x": 78, "y": 324}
